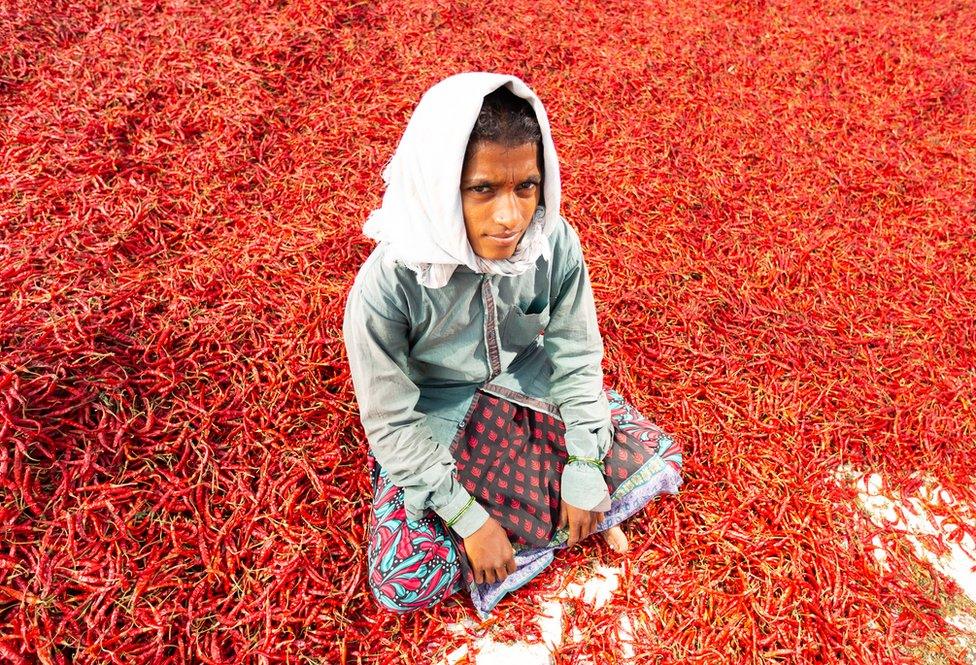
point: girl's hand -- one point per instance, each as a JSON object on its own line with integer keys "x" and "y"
{"x": 582, "y": 523}
{"x": 490, "y": 552}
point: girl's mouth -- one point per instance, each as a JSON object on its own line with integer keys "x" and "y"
{"x": 505, "y": 239}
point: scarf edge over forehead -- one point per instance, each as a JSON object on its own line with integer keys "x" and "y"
{"x": 421, "y": 221}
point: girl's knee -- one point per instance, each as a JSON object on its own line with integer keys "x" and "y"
{"x": 400, "y": 590}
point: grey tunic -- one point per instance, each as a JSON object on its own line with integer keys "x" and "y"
{"x": 418, "y": 355}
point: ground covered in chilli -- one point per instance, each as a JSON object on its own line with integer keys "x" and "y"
{"x": 776, "y": 204}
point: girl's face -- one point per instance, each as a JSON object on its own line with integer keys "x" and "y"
{"x": 500, "y": 189}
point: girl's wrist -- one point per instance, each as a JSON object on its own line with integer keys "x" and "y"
{"x": 589, "y": 461}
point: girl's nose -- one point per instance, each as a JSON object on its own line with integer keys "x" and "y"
{"x": 506, "y": 210}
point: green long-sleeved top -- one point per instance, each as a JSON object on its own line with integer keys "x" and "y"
{"x": 418, "y": 355}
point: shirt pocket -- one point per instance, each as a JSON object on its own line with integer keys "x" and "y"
{"x": 522, "y": 329}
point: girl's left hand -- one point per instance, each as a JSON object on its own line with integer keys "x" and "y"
{"x": 582, "y": 523}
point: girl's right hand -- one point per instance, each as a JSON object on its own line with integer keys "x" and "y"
{"x": 490, "y": 552}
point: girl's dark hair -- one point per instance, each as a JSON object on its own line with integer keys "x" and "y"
{"x": 505, "y": 118}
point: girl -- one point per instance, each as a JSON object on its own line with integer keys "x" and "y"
{"x": 475, "y": 355}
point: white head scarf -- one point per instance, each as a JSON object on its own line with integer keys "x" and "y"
{"x": 421, "y": 219}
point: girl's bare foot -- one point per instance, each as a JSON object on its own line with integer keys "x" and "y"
{"x": 616, "y": 539}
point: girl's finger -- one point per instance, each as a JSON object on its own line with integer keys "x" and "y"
{"x": 574, "y": 533}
